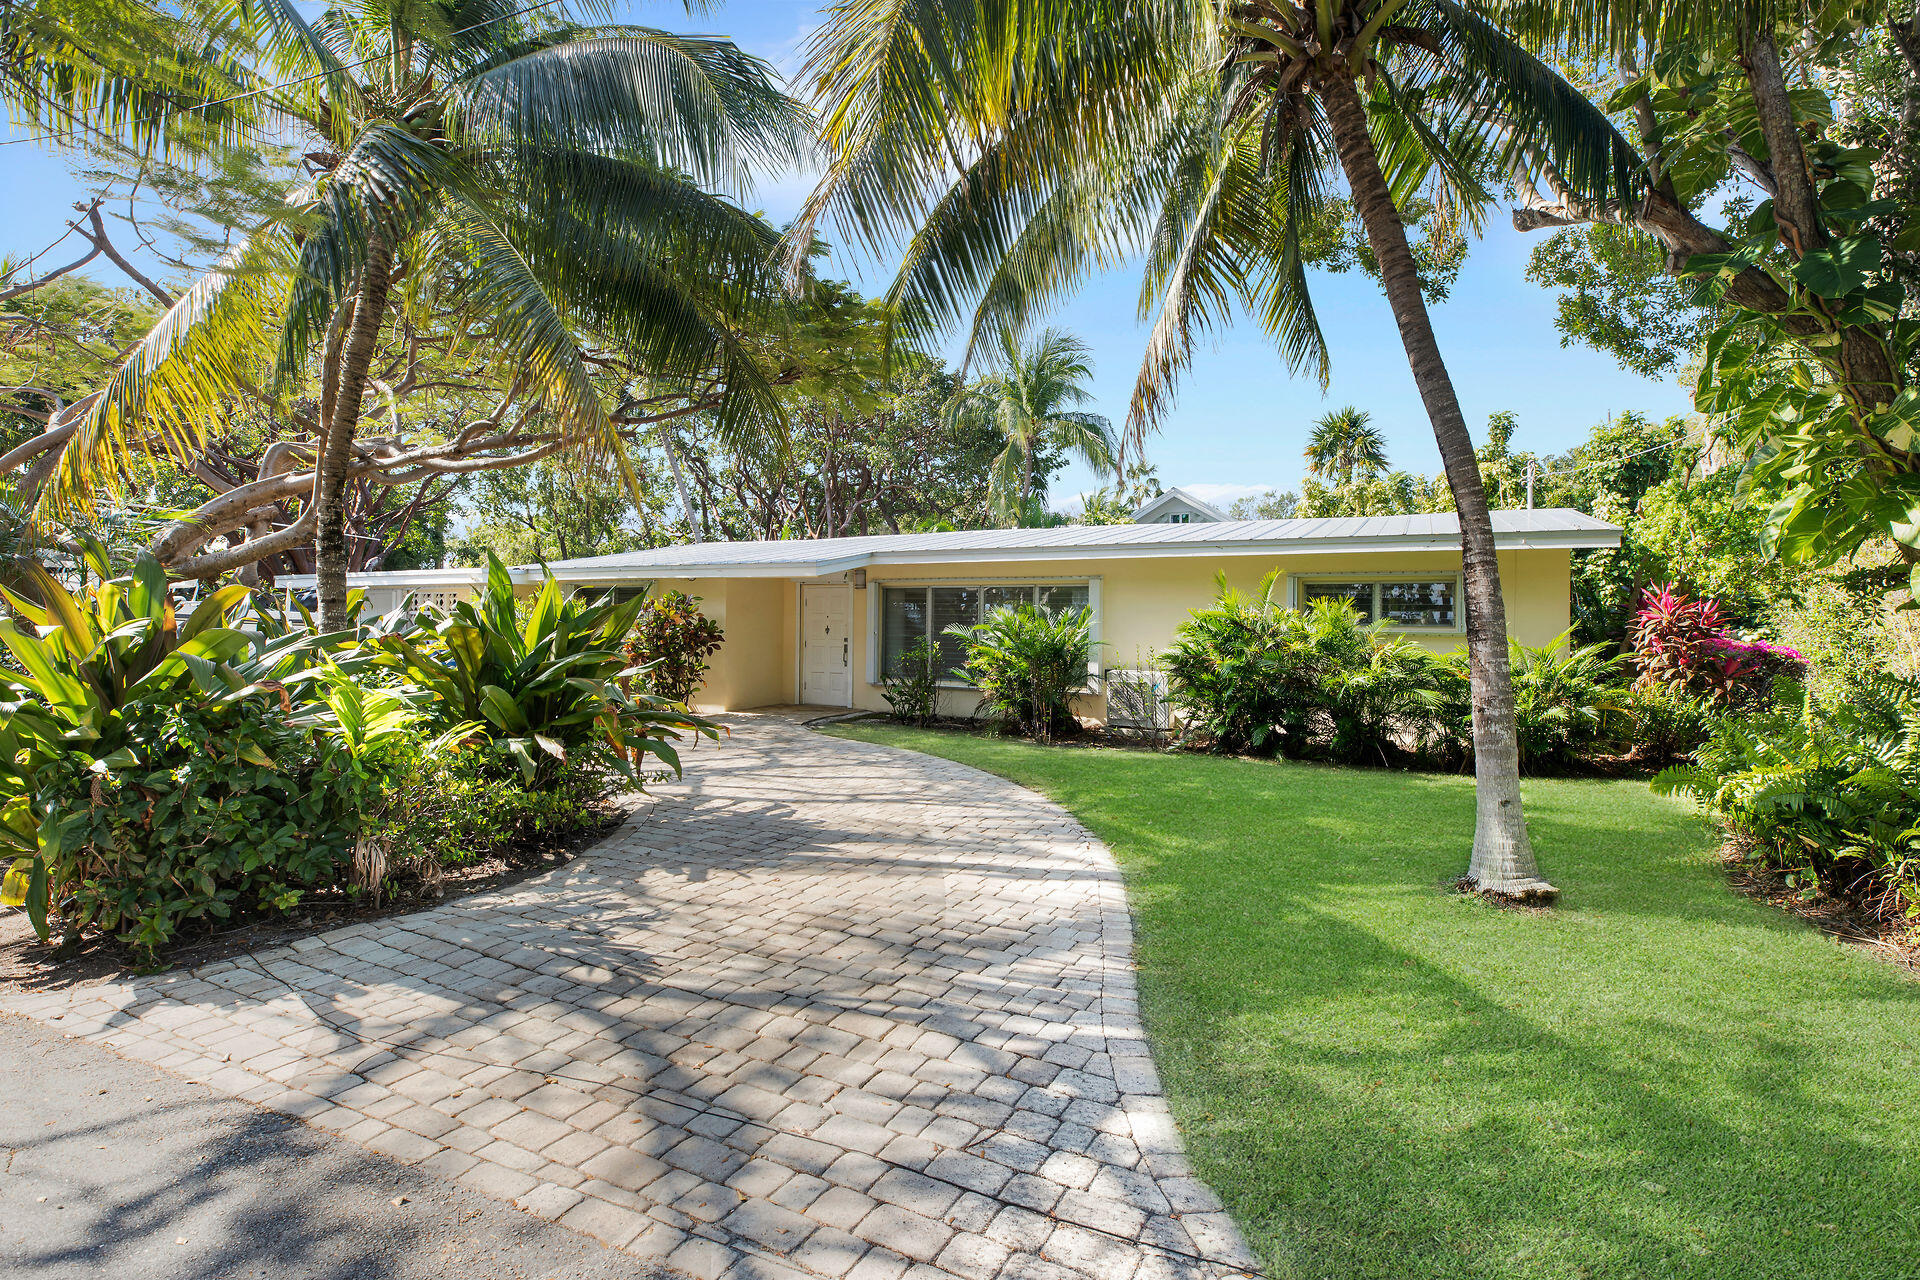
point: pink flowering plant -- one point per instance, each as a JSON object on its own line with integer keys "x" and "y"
{"x": 1685, "y": 645}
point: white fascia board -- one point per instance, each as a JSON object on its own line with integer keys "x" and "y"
{"x": 765, "y": 569}
{"x": 1573, "y": 539}
{"x": 1292, "y": 547}
{"x": 392, "y": 578}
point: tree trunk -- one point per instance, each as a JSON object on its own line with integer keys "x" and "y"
{"x": 1502, "y": 861}
{"x": 1026, "y": 478}
{"x": 336, "y": 450}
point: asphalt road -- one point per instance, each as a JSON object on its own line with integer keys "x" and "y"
{"x": 117, "y": 1170}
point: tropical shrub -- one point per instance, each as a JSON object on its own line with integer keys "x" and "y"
{"x": 115, "y": 696}
{"x": 670, "y": 642}
{"x": 1685, "y": 644}
{"x": 1380, "y": 697}
{"x": 1028, "y": 663}
{"x": 217, "y": 811}
{"x": 1828, "y": 793}
{"x": 547, "y": 690}
{"x": 1567, "y": 703}
{"x": 1243, "y": 676}
{"x": 1252, "y": 675}
{"x": 455, "y": 807}
{"x": 1668, "y": 724}
{"x": 913, "y": 691}
{"x": 160, "y": 774}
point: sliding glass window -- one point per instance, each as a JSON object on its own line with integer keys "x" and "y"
{"x": 908, "y": 614}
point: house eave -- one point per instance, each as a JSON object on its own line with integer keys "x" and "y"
{"x": 802, "y": 570}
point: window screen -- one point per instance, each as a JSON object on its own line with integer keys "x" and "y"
{"x": 903, "y": 620}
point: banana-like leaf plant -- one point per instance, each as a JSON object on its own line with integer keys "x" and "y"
{"x": 548, "y": 687}
{"x": 89, "y": 661}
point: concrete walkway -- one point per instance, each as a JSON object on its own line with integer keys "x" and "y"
{"x": 824, "y": 1009}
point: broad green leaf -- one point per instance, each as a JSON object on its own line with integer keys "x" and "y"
{"x": 212, "y": 609}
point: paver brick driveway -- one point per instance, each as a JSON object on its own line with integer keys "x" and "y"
{"x": 821, "y": 1009}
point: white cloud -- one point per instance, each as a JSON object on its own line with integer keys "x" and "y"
{"x": 1225, "y": 495}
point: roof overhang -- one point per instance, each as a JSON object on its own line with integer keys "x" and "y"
{"x": 1584, "y": 539}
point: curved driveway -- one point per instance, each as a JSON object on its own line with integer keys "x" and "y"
{"x": 823, "y": 1009}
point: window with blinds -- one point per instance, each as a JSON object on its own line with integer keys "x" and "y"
{"x": 1417, "y": 603}
{"x": 908, "y": 614}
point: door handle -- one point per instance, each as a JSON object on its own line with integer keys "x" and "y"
{"x": 846, "y": 651}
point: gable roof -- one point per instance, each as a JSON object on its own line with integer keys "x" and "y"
{"x": 808, "y": 558}
{"x": 1149, "y": 509}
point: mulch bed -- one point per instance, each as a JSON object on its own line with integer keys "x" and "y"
{"x": 27, "y": 964}
{"x": 1843, "y": 919}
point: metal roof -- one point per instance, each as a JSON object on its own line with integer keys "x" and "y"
{"x": 1553, "y": 527}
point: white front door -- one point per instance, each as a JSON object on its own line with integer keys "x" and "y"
{"x": 826, "y": 646}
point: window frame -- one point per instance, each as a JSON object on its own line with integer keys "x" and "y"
{"x": 1458, "y": 627}
{"x": 877, "y": 621}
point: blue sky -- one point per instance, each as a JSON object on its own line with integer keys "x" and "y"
{"x": 1241, "y": 419}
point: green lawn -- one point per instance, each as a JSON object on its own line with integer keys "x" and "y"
{"x": 1385, "y": 1079}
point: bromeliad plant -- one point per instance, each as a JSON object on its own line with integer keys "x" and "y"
{"x": 546, "y": 690}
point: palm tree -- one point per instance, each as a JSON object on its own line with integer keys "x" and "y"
{"x": 1344, "y": 447}
{"x": 1028, "y": 401}
{"x": 559, "y": 176}
{"x": 1204, "y": 134}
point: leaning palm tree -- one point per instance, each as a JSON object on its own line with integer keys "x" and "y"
{"x": 557, "y": 178}
{"x": 1343, "y": 446}
{"x": 1204, "y": 134}
{"x": 1028, "y": 401}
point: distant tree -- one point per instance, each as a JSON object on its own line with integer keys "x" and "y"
{"x": 1344, "y": 446}
{"x": 1271, "y": 505}
{"x": 556, "y": 509}
{"x": 1031, "y": 400}
{"x": 1138, "y": 485}
{"x": 1397, "y": 493}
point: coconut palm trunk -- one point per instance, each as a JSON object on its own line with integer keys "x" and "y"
{"x": 1502, "y": 861}
{"x": 330, "y": 481}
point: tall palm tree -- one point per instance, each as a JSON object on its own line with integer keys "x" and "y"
{"x": 1205, "y": 134}
{"x": 1344, "y": 446}
{"x": 561, "y": 176}
{"x": 1029, "y": 400}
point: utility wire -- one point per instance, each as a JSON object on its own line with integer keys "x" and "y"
{"x": 285, "y": 84}
{"x": 1607, "y": 462}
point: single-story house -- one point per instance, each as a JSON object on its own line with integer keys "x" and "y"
{"x": 821, "y": 621}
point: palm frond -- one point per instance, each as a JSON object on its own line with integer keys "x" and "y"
{"x": 122, "y": 73}
{"x": 209, "y": 347}
{"x": 1492, "y": 77}
{"x": 391, "y": 182}
{"x": 683, "y": 102}
{"x": 532, "y": 333}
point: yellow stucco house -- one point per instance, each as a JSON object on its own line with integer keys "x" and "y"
{"x": 820, "y": 622}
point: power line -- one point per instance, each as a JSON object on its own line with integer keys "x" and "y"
{"x": 285, "y": 84}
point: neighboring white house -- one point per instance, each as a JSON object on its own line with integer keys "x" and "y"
{"x": 1177, "y": 506}
{"x": 824, "y": 621}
